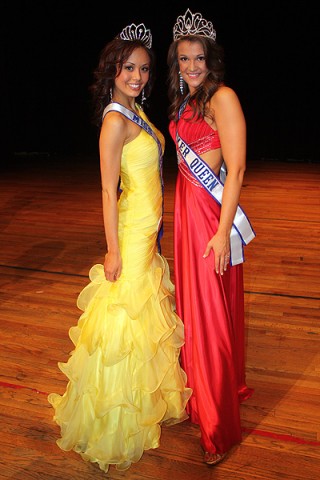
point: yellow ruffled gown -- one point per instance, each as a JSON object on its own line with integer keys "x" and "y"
{"x": 124, "y": 376}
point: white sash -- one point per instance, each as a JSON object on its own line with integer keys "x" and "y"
{"x": 241, "y": 231}
{"x": 139, "y": 121}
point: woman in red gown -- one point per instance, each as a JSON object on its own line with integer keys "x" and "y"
{"x": 210, "y": 229}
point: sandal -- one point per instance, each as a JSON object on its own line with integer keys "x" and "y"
{"x": 213, "y": 458}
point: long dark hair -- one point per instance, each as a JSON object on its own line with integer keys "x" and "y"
{"x": 214, "y": 55}
{"x": 111, "y": 60}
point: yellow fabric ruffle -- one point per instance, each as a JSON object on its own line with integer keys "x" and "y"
{"x": 124, "y": 376}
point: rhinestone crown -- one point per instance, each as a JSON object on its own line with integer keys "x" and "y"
{"x": 137, "y": 32}
{"x": 193, "y": 24}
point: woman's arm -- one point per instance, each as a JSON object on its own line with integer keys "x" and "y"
{"x": 231, "y": 126}
{"x": 112, "y": 139}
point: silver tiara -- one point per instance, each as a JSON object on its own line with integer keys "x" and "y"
{"x": 193, "y": 24}
{"x": 137, "y": 32}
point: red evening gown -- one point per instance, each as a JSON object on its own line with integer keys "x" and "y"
{"x": 211, "y": 306}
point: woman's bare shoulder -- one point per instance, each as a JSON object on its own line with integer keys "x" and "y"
{"x": 224, "y": 94}
{"x": 225, "y": 99}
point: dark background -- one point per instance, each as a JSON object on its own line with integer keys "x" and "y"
{"x": 50, "y": 49}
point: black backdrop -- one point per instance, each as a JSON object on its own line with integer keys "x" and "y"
{"x": 50, "y": 49}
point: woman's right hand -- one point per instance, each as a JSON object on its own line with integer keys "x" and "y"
{"x": 112, "y": 266}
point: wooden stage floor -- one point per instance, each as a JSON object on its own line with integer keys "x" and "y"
{"x": 51, "y": 233}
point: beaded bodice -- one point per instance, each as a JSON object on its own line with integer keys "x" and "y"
{"x": 197, "y": 133}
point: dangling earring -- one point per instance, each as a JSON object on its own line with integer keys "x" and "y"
{"x": 143, "y": 98}
{"x": 181, "y": 83}
{"x": 110, "y": 94}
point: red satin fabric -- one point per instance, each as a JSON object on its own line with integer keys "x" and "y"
{"x": 212, "y": 309}
{"x": 199, "y": 135}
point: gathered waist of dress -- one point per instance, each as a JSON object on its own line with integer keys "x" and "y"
{"x": 184, "y": 170}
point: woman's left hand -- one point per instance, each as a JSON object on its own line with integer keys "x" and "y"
{"x": 220, "y": 246}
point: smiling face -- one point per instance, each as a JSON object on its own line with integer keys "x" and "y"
{"x": 133, "y": 76}
{"x": 192, "y": 63}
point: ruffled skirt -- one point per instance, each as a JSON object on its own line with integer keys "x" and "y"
{"x": 124, "y": 375}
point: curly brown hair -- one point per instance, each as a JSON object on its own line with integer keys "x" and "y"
{"x": 214, "y": 55}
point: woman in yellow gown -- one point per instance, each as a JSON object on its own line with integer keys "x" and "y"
{"x": 124, "y": 376}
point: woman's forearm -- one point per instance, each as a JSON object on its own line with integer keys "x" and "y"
{"x": 110, "y": 220}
